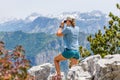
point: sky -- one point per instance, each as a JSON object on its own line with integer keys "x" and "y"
{"x": 23, "y": 8}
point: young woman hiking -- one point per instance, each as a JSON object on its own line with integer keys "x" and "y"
{"x": 70, "y": 34}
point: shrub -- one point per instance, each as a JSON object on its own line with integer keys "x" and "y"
{"x": 13, "y": 64}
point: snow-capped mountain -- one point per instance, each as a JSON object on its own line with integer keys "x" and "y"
{"x": 78, "y": 15}
{"x": 88, "y": 22}
{"x": 5, "y": 19}
{"x": 32, "y": 17}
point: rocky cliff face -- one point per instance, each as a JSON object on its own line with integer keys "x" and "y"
{"x": 91, "y": 68}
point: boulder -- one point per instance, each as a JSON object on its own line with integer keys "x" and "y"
{"x": 41, "y": 72}
{"x": 108, "y": 68}
{"x": 85, "y": 70}
{"x": 89, "y": 63}
{"x": 77, "y": 73}
{"x": 96, "y": 68}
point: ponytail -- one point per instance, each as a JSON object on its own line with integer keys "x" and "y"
{"x": 73, "y": 23}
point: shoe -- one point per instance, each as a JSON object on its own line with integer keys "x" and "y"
{"x": 57, "y": 77}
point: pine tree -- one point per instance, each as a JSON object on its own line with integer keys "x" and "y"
{"x": 109, "y": 41}
{"x": 84, "y": 52}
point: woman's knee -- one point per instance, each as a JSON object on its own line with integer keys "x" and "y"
{"x": 59, "y": 58}
{"x": 55, "y": 59}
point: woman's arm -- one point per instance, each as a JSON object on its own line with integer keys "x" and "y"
{"x": 59, "y": 32}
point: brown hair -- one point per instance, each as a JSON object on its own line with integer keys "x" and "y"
{"x": 73, "y": 23}
{"x": 2, "y": 42}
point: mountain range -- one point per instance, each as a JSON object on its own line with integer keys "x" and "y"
{"x": 88, "y": 22}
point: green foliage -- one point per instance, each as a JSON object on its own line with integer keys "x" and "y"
{"x": 13, "y": 64}
{"x": 109, "y": 42}
{"x": 84, "y": 52}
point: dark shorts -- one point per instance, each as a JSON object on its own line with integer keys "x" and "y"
{"x": 69, "y": 53}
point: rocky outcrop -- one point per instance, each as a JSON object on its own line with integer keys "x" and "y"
{"x": 108, "y": 68}
{"x": 41, "y": 72}
{"x": 91, "y": 68}
{"x": 96, "y": 68}
{"x": 85, "y": 70}
{"x": 44, "y": 72}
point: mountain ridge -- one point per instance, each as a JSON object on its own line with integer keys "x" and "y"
{"x": 88, "y": 22}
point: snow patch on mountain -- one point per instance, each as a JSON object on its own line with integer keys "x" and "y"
{"x": 32, "y": 17}
{"x": 5, "y": 19}
{"x": 88, "y": 22}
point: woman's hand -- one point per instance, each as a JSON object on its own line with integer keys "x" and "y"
{"x": 62, "y": 25}
{"x": 59, "y": 32}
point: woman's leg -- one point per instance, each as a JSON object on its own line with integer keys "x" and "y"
{"x": 57, "y": 59}
{"x": 73, "y": 62}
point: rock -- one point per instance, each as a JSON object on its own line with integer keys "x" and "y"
{"x": 92, "y": 68}
{"x": 41, "y": 72}
{"x": 89, "y": 63}
{"x": 85, "y": 70}
{"x": 77, "y": 73}
{"x": 96, "y": 68}
{"x": 108, "y": 68}
{"x": 44, "y": 72}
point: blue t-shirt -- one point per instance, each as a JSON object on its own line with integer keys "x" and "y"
{"x": 71, "y": 37}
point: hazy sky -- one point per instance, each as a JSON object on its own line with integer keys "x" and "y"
{"x": 23, "y": 8}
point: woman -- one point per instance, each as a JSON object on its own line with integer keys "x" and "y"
{"x": 70, "y": 34}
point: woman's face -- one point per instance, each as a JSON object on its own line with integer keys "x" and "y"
{"x": 68, "y": 23}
